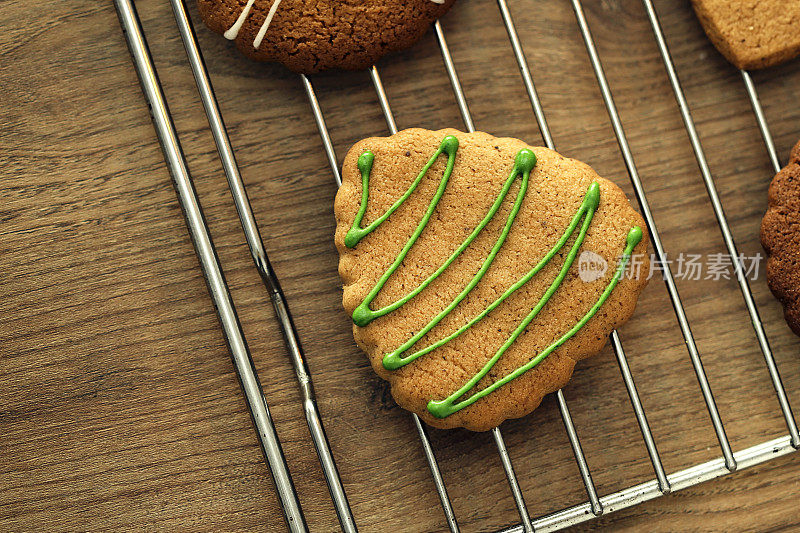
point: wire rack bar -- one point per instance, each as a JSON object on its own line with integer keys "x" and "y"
{"x": 513, "y": 483}
{"x": 262, "y": 264}
{"x": 669, "y": 281}
{"x": 762, "y": 121}
{"x": 423, "y": 433}
{"x": 616, "y": 343}
{"x": 580, "y": 458}
{"x": 719, "y": 212}
{"x": 508, "y": 467}
{"x": 525, "y": 72}
{"x": 441, "y": 489}
{"x": 206, "y": 254}
{"x": 453, "y": 76}
{"x": 438, "y": 481}
{"x": 383, "y": 100}
{"x": 641, "y": 418}
{"x": 681, "y": 479}
{"x": 323, "y": 129}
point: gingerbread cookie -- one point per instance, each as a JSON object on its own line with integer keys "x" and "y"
{"x": 780, "y": 236}
{"x": 312, "y": 35}
{"x": 477, "y": 270}
{"x": 752, "y": 34}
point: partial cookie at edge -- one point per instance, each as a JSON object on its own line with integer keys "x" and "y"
{"x": 752, "y": 34}
{"x": 780, "y": 236}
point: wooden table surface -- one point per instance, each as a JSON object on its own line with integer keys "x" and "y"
{"x": 119, "y": 407}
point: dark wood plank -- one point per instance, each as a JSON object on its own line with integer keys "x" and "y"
{"x": 120, "y": 409}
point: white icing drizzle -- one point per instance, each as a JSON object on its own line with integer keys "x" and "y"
{"x": 233, "y": 32}
{"x": 265, "y": 26}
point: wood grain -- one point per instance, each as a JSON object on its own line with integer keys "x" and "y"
{"x": 119, "y": 408}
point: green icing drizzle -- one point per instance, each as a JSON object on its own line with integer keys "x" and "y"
{"x": 448, "y": 406}
{"x": 393, "y": 360}
{"x": 523, "y": 165}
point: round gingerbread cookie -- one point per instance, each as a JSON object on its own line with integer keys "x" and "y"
{"x": 312, "y": 35}
{"x": 780, "y": 236}
{"x": 478, "y": 270}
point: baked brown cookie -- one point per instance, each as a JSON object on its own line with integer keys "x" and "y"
{"x": 752, "y": 34}
{"x": 312, "y": 35}
{"x": 780, "y": 236}
{"x": 477, "y": 270}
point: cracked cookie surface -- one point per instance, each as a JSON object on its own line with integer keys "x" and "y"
{"x": 438, "y": 233}
{"x": 312, "y": 35}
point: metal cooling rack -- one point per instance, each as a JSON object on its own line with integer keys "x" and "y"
{"x": 596, "y": 505}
